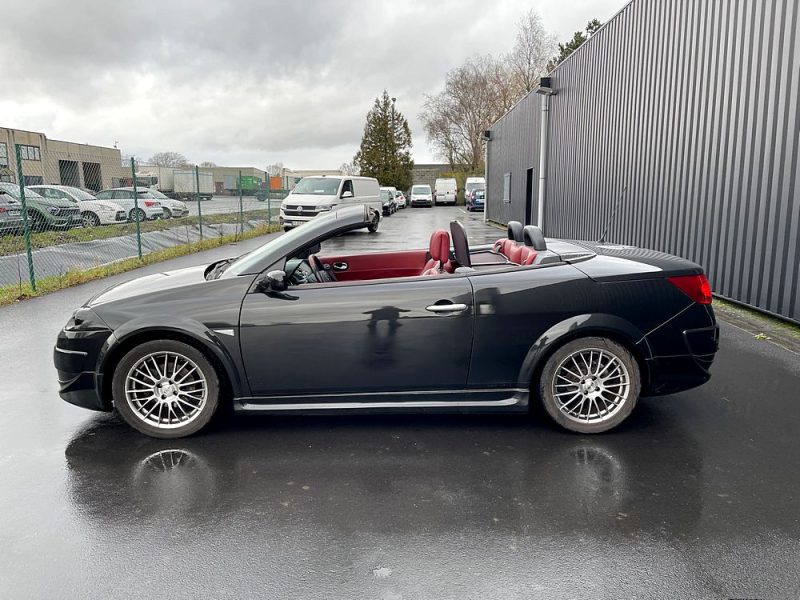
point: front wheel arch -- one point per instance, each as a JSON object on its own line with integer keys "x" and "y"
{"x": 111, "y": 359}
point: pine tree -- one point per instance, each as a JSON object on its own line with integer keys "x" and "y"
{"x": 385, "y": 151}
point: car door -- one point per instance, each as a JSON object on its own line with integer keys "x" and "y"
{"x": 363, "y": 337}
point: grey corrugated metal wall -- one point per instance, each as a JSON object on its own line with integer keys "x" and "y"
{"x": 693, "y": 105}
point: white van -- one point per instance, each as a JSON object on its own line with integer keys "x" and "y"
{"x": 314, "y": 195}
{"x": 421, "y": 195}
{"x": 445, "y": 191}
{"x": 473, "y": 183}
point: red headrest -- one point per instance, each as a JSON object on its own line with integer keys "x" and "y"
{"x": 440, "y": 245}
{"x": 527, "y": 256}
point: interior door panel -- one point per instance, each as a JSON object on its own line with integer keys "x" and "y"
{"x": 406, "y": 263}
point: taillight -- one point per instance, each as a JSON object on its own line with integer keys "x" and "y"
{"x": 148, "y": 203}
{"x": 694, "y": 286}
{"x": 3, "y": 209}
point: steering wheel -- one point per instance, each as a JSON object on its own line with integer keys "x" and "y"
{"x": 322, "y": 274}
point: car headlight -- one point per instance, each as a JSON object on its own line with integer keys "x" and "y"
{"x": 84, "y": 319}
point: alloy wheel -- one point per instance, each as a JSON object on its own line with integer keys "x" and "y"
{"x": 166, "y": 390}
{"x": 591, "y": 385}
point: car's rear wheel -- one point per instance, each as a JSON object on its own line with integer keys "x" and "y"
{"x": 590, "y": 385}
{"x": 165, "y": 389}
{"x": 89, "y": 219}
{"x": 167, "y": 213}
{"x": 137, "y": 211}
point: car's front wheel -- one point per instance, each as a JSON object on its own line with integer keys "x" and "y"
{"x": 373, "y": 227}
{"x": 89, "y": 219}
{"x": 590, "y": 385}
{"x": 165, "y": 389}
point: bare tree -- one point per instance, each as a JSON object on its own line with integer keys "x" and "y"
{"x": 533, "y": 48}
{"x": 274, "y": 169}
{"x": 168, "y": 159}
{"x": 350, "y": 168}
{"x": 475, "y": 95}
{"x": 208, "y": 163}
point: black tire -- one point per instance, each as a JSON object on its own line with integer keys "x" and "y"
{"x": 167, "y": 213}
{"x": 374, "y": 226}
{"x": 141, "y": 213}
{"x": 199, "y": 419}
{"x": 562, "y": 359}
{"x": 285, "y": 229}
{"x": 90, "y": 219}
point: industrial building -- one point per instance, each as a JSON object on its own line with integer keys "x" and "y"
{"x": 57, "y": 162}
{"x": 676, "y": 127}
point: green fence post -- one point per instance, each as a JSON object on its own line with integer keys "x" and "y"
{"x": 26, "y": 229}
{"x": 241, "y": 206}
{"x": 199, "y": 210}
{"x": 136, "y": 209}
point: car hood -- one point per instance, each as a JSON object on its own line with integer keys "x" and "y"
{"x": 166, "y": 280}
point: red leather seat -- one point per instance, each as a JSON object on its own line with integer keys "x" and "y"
{"x": 439, "y": 250}
{"x": 515, "y": 253}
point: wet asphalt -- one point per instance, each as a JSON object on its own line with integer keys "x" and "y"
{"x": 697, "y": 495}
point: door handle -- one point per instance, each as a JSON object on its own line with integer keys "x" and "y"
{"x": 446, "y": 308}
{"x": 340, "y": 266}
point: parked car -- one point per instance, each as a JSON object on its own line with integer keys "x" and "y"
{"x": 173, "y": 209}
{"x": 10, "y": 214}
{"x": 149, "y": 206}
{"x": 421, "y": 195}
{"x": 400, "y": 198}
{"x": 313, "y": 196}
{"x": 445, "y": 191}
{"x": 45, "y": 213}
{"x": 93, "y": 212}
{"x": 388, "y": 201}
{"x": 476, "y": 200}
{"x": 473, "y": 183}
{"x": 582, "y": 327}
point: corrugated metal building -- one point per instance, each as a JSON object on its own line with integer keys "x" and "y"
{"x": 693, "y": 108}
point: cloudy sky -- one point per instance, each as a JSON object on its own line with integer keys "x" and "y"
{"x": 247, "y": 82}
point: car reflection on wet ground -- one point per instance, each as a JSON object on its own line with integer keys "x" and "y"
{"x": 694, "y": 496}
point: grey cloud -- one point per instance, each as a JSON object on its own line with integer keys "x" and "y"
{"x": 251, "y": 80}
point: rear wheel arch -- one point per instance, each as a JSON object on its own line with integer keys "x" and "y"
{"x": 615, "y": 329}
{"x": 114, "y": 355}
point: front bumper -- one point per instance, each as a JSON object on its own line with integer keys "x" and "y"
{"x": 75, "y": 357}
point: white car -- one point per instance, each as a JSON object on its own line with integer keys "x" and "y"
{"x": 94, "y": 212}
{"x": 149, "y": 207}
{"x": 173, "y": 209}
{"x": 400, "y": 198}
{"x": 314, "y": 195}
{"x": 421, "y": 195}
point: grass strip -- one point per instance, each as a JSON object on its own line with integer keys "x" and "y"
{"x": 13, "y": 293}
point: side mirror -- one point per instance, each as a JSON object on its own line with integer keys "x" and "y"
{"x": 275, "y": 281}
{"x": 347, "y": 194}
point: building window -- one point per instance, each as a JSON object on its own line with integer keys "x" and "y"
{"x": 3, "y": 154}
{"x": 29, "y": 152}
{"x": 33, "y": 179}
{"x": 507, "y": 187}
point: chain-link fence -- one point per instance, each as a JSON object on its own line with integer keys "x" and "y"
{"x": 63, "y": 221}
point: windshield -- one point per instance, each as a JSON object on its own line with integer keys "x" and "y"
{"x": 12, "y": 189}
{"x": 79, "y": 194}
{"x": 421, "y": 189}
{"x": 318, "y": 186}
{"x": 475, "y": 186}
{"x": 480, "y": 194}
{"x": 386, "y": 195}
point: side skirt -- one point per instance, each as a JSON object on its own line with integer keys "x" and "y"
{"x": 511, "y": 400}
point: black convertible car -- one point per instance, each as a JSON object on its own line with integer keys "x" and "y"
{"x": 585, "y": 328}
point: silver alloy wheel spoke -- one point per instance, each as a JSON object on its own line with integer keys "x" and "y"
{"x": 598, "y": 392}
{"x": 166, "y": 390}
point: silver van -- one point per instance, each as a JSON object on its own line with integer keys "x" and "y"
{"x": 318, "y": 194}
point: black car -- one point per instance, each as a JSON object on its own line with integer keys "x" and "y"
{"x": 582, "y": 327}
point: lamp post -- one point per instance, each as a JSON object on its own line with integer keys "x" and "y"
{"x": 394, "y": 141}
